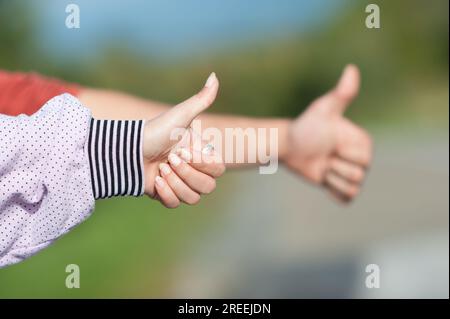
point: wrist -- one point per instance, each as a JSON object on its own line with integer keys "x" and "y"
{"x": 283, "y": 126}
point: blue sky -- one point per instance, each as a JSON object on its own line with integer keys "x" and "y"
{"x": 173, "y": 27}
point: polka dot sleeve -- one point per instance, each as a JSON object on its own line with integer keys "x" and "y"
{"x": 46, "y": 187}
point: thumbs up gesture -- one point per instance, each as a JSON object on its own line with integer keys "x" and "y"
{"x": 327, "y": 148}
{"x": 168, "y": 177}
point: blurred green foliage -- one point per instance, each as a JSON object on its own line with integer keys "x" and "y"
{"x": 401, "y": 63}
{"x": 127, "y": 247}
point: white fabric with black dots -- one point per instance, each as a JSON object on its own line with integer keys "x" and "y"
{"x": 45, "y": 184}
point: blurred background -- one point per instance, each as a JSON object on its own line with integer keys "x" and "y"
{"x": 257, "y": 235}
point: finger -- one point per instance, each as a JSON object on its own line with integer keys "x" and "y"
{"x": 165, "y": 193}
{"x": 192, "y": 140}
{"x": 354, "y": 144}
{"x": 208, "y": 163}
{"x": 347, "y": 170}
{"x": 347, "y": 87}
{"x": 338, "y": 184}
{"x": 339, "y": 197}
{"x": 355, "y": 155}
{"x": 201, "y": 155}
{"x": 196, "y": 180}
{"x": 181, "y": 190}
{"x": 358, "y": 154}
{"x": 185, "y": 112}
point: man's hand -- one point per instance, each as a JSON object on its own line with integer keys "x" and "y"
{"x": 168, "y": 177}
{"x": 325, "y": 147}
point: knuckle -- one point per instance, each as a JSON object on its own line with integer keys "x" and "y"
{"x": 193, "y": 200}
{"x": 369, "y": 147}
{"x": 210, "y": 186}
{"x": 368, "y": 139}
{"x": 175, "y": 182}
{"x": 183, "y": 169}
{"x": 357, "y": 175}
{"x": 334, "y": 163}
{"x": 220, "y": 170}
{"x": 367, "y": 160}
{"x": 171, "y": 204}
{"x": 352, "y": 191}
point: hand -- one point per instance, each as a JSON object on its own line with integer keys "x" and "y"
{"x": 327, "y": 148}
{"x": 180, "y": 182}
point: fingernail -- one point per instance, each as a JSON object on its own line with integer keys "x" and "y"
{"x": 174, "y": 159}
{"x": 185, "y": 154}
{"x": 165, "y": 169}
{"x": 159, "y": 181}
{"x": 210, "y": 80}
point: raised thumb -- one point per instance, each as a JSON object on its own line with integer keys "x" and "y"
{"x": 184, "y": 113}
{"x": 347, "y": 87}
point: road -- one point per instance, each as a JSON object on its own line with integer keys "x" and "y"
{"x": 279, "y": 237}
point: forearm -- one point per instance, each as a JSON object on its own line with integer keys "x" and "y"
{"x": 230, "y": 126}
{"x": 115, "y": 105}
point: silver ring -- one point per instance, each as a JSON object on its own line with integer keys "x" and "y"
{"x": 208, "y": 149}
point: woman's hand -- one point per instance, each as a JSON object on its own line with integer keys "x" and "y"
{"x": 185, "y": 181}
{"x": 168, "y": 175}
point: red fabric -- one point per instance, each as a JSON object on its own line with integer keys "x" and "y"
{"x": 27, "y": 92}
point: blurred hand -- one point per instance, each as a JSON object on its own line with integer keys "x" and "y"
{"x": 327, "y": 148}
{"x": 179, "y": 181}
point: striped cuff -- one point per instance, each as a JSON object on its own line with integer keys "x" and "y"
{"x": 114, "y": 149}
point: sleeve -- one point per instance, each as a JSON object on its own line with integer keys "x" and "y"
{"x": 25, "y": 93}
{"x": 114, "y": 149}
{"x": 53, "y": 165}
